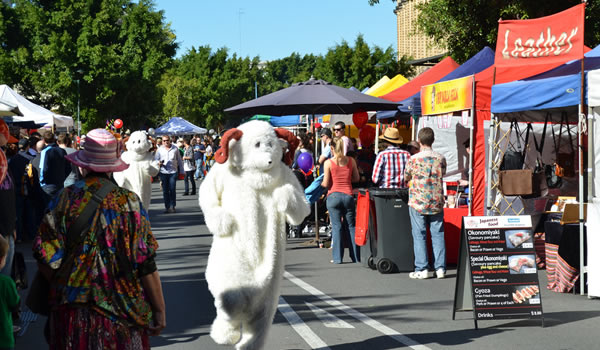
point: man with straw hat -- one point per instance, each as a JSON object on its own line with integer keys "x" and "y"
{"x": 103, "y": 271}
{"x": 390, "y": 164}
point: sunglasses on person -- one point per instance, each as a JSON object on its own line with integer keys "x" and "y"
{"x": 336, "y": 129}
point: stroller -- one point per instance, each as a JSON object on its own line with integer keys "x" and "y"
{"x": 313, "y": 192}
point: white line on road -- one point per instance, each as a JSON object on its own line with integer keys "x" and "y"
{"x": 300, "y": 327}
{"x": 399, "y": 337}
{"x": 329, "y": 320}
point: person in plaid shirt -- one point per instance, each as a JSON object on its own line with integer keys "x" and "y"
{"x": 390, "y": 164}
{"x": 426, "y": 202}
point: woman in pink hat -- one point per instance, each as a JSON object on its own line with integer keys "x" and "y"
{"x": 104, "y": 286}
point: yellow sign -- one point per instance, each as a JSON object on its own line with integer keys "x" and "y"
{"x": 448, "y": 96}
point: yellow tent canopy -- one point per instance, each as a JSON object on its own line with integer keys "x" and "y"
{"x": 378, "y": 84}
{"x": 390, "y": 86}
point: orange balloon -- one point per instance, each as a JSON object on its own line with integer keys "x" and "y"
{"x": 118, "y": 123}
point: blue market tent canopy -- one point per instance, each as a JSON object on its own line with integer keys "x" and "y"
{"x": 558, "y": 87}
{"x": 278, "y": 121}
{"x": 179, "y": 126}
{"x": 412, "y": 105}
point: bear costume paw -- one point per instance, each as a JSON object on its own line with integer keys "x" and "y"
{"x": 225, "y": 333}
{"x": 284, "y": 196}
{"x": 220, "y": 223}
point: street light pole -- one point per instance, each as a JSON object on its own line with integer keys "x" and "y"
{"x": 78, "y": 122}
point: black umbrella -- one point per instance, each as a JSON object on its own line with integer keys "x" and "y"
{"x": 312, "y": 97}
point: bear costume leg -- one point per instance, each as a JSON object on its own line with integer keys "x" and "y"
{"x": 225, "y": 330}
{"x": 255, "y": 330}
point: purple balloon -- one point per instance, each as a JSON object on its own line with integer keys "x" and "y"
{"x": 305, "y": 161}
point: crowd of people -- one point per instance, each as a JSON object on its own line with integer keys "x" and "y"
{"x": 414, "y": 166}
{"x": 51, "y": 178}
{"x": 54, "y": 193}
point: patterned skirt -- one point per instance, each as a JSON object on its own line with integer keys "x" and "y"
{"x": 82, "y": 328}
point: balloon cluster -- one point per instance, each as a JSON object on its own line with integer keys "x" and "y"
{"x": 114, "y": 124}
{"x": 367, "y": 132}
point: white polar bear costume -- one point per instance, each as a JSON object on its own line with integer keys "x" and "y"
{"x": 142, "y": 167}
{"x": 246, "y": 199}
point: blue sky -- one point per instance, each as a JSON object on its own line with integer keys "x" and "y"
{"x": 273, "y": 29}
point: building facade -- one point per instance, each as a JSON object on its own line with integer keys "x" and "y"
{"x": 410, "y": 41}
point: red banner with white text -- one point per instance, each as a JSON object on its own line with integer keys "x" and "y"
{"x": 556, "y": 38}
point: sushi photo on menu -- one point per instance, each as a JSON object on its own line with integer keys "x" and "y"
{"x": 520, "y": 264}
{"x": 518, "y": 239}
{"x": 529, "y": 294}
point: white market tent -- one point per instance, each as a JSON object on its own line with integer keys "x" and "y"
{"x": 32, "y": 112}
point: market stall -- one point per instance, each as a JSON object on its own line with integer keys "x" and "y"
{"x": 31, "y": 112}
{"x": 547, "y": 109}
{"x": 179, "y": 126}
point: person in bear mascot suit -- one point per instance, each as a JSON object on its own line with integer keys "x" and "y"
{"x": 246, "y": 199}
{"x": 142, "y": 167}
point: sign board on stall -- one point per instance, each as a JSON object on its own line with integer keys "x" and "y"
{"x": 448, "y": 96}
{"x": 497, "y": 256}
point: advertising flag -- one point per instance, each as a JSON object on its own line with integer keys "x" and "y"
{"x": 556, "y": 38}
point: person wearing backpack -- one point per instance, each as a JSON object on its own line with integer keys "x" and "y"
{"x": 17, "y": 167}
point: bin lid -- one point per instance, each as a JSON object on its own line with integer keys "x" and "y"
{"x": 401, "y": 193}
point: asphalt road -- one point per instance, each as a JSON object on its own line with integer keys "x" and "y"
{"x": 340, "y": 307}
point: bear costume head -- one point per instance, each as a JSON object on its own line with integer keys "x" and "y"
{"x": 256, "y": 149}
{"x": 138, "y": 145}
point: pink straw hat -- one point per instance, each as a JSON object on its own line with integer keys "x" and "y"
{"x": 100, "y": 153}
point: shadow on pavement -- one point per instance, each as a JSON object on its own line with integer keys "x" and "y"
{"x": 441, "y": 338}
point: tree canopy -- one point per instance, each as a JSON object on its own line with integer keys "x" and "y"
{"x": 116, "y": 50}
{"x": 464, "y": 27}
{"x": 117, "y": 57}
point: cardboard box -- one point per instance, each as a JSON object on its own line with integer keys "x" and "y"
{"x": 571, "y": 213}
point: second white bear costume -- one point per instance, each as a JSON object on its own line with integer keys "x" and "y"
{"x": 246, "y": 199}
{"x": 142, "y": 167}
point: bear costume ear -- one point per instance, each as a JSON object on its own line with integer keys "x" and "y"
{"x": 293, "y": 142}
{"x": 223, "y": 153}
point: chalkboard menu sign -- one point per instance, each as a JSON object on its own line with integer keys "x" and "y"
{"x": 503, "y": 271}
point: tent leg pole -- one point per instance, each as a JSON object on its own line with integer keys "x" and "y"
{"x": 493, "y": 124}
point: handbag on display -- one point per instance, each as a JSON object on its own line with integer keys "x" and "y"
{"x": 566, "y": 160}
{"x": 513, "y": 158}
{"x": 524, "y": 182}
{"x": 37, "y": 298}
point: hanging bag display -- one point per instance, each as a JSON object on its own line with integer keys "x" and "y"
{"x": 513, "y": 180}
{"x": 566, "y": 160}
{"x": 513, "y": 158}
{"x": 554, "y": 172}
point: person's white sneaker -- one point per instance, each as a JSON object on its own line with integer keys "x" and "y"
{"x": 421, "y": 275}
{"x": 440, "y": 273}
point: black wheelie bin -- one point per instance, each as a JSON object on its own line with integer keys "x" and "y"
{"x": 391, "y": 242}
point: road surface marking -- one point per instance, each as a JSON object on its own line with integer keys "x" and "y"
{"x": 329, "y": 320}
{"x": 300, "y": 327}
{"x": 399, "y": 337}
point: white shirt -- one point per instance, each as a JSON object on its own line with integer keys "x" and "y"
{"x": 171, "y": 159}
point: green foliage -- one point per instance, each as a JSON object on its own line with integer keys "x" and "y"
{"x": 203, "y": 83}
{"x": 466, "y": 26}
{"x": 116, "y": 49}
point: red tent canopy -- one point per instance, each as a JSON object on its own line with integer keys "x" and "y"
{"x": 483, "y": 101}
{"x": 429, "y": 76}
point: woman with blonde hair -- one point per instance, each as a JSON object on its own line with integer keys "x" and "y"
{"x": 340, "y": 172}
